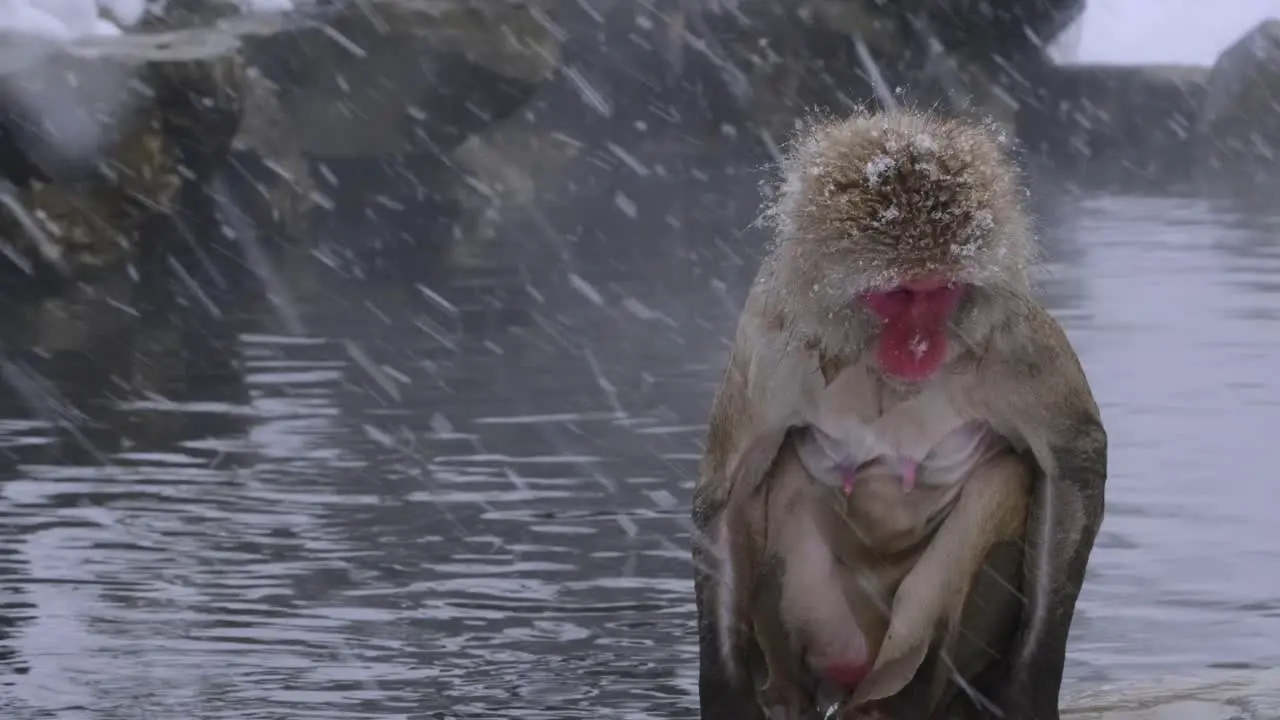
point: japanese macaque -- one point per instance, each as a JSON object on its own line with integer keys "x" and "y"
{"x": 905, "y": 467}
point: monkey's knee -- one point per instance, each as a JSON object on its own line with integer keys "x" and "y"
{"x": 1005, "y": 483}
{"x": 962, "y": 669}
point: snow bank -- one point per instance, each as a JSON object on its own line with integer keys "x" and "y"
{"x": 64, "y": 20}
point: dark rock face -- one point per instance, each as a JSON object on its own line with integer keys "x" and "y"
{"x": 383, "y": 79}
{"x": 1212, "y": 130}
{"x": 366, "y": 109}
{"x": 1238, "y": 134}
{"x": 1117, "y": 126}
{"x": 1013, "y": 30}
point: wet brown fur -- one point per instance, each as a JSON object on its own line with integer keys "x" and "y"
{"x": 942, "y": 196}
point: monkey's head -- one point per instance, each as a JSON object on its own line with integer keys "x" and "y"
{"x": 901, "y": 231}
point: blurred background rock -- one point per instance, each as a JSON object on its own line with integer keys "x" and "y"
{"x": 448, "y": 133}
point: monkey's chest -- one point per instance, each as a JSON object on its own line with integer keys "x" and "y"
{"x": 877, "y": 519}
{"x": 858, "y": 418}
{"x": 843, "y": 456}
{"x": 889, "y": 471}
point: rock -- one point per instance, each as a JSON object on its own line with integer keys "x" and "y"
{"x": 177, "y": 14}
{"x": 201, "y": 104}
{"x": 359, "y": 114}
{"x": 755, "y": 66}
{"x": 508, "y": 170}
{"x": 95, "y": 148}
{"x": 386, "y": 78}
{"x": 980, "y": 30}
{"x": 838, "y": 54}
{"x": 91, "y": 175}
{"x": 82, "y": 320}
{"x": 287, "y": 184}
{"x": 1215, "y": 696}
{"x": 59, "y": 112}
{"x": 1238, "y": 135}
{"x": 1115, "y": 126}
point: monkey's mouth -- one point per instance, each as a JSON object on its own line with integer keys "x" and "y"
{"x": 914, "y": 316}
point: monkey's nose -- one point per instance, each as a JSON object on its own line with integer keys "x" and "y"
{"x": 926, "y": 283}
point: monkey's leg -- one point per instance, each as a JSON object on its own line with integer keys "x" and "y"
{"x": 992, "y": 509}
{"x": 720, "y": 696}
{"x": 970, "y": 661}
{"x": 722, "y": 693}
{"x": 982, "y": 648}
{"x": 784, "y": 694}
{"x": 915, "y": 701}
{"x": 964, "y": 665}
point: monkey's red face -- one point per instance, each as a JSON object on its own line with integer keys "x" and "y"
{"x": 914, "y": 317}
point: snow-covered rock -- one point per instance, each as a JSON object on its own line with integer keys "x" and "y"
{"x": 1239, "y": 128}
{"x": 1115, "y": 126}
{"x": 98, "y": 143}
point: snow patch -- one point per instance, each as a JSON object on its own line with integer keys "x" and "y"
{"x": 878, "y": 166}
{"x": 925, "y": 143}
{"x": 66, "y": 20}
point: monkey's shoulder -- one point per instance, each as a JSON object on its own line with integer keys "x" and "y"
{"x": 1036, "y": 388}
{"x": 1038, "y": 358}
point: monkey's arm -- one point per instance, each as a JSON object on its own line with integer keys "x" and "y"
{"x": 1056, "y": 415}
{"x": 772, "y": 377}
{"x": 769, "y": 378}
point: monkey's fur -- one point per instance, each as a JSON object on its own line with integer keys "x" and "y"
{"x": 864, "y": 202}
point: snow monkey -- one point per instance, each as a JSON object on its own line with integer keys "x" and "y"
{"x": 905, "y": 466}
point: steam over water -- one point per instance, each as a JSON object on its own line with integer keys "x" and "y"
{"x": 385, "y": 504}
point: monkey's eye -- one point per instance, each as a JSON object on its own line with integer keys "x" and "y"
{"x": 888, "y": 302}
